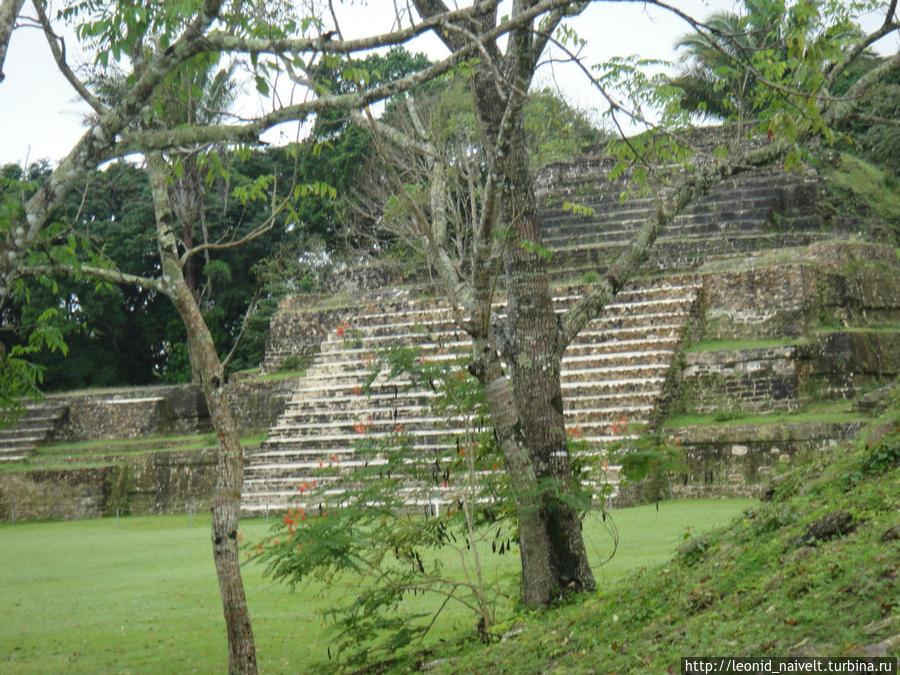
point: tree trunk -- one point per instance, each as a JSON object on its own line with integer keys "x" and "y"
{"x": 229, "y": 461}
{"x": 538, "y": 579}
{"x": 533, "y": 349}
{"x": 534, "y": 353}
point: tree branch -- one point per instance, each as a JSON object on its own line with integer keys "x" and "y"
{"x": 224, "y": 42}
{"x": 254, "y": 234}
{"x": 845, "y": 107}
{"x": 58, "y": 49}
{"x": 629, "y": 261}
{"x": 251, "y": 307}
{"x": 9, "y": 10}
{"x": 104, "y": 273}
{"x": 888, "y": 26}
{"x": 138, "y": 141}
{"x": 549, "y": 24}
{"x": 690, "y": 187}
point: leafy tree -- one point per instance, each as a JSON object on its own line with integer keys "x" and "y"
{"x": 499, "y": 228}
{"x": 149, "y": 44}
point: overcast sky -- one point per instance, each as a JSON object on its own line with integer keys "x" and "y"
{"x": 40, "y": 116}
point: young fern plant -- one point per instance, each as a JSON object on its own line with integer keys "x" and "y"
{"x": 401, "y": 518}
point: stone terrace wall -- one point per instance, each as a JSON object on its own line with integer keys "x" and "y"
{"x": 739, "y": 461}
{"x": 749, "y": 380}
{"x": 159, "y": 411}
{"x": 256, "y": 404}
{"x": 161, "y": 482}
{"x": 758, "y": 304}
{"x": 133, "y": 413}
{"x": 836, "y": 283}
{"x": 839, "y": 282}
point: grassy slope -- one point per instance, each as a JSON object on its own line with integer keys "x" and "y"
{"x": 749, "y": 588}
{"x": 86, "y": 596}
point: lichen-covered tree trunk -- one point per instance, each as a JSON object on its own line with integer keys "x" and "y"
{"x": 532, "y": 347}
{"x": 538, "y": 578}
{"x": 533, "y": 352}
{"x": 229, "y": 462}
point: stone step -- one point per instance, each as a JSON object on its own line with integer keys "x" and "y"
{"x": 624, "y": 385}
{"x": 617, "y": 317}
{"x": 677, "y": 254}
{"x": 338, "y": 429}
{"x": 320, "y": 382}
{"x": 632, "y": 214}
{"x": 624, "y": 224}
{"x": 364, "y": 405}
{"x": 612, "y": 376}
{"x": 344, "y": 397}
{"x": 34, "y": 427}
{"x": 29, "y": 435}
{"x": 429, "y": 318}
{"x": 580, "y": 359}
{"x": 608, "y": 193}
{"x": 614, "y": 347}
{"x": 279, "y": 500}
{"x": 564, "y": 237}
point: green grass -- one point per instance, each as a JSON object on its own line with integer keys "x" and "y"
{"x": 88, "y": 596}
{"x": 755, "y": 587}
{"x": 92, "y": 454}
{"x": 869, "y": 184}
{"x": 820, "y": 411}
{"x": 120, "y": 445}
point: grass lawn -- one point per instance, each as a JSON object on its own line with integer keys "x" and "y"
{"x": 88, "y": 596}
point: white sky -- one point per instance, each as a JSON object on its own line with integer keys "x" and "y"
{"x": 40, "y": 116}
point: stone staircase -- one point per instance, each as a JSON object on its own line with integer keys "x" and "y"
{"x": 752, "y": 212}
{"x": 614, "y": 371}
{"x": 34, "y": 428}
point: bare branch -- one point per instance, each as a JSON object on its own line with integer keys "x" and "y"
{"x": 224, "y": 42}
{"x": 434, "y": 250}
{"x": 549, "y": 24}
{"x": 395, "y": 135}
{"x": 235, "y": 243}
{"x": 138, "y": 141}
{"x": 58, "y": 49}
{"x": 251, "y": 308}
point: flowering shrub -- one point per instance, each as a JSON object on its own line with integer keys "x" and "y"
{"x": 367, "y": 531}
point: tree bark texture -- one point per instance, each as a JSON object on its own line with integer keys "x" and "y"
{"x": 525, "y": 404}
{"x": 229, "y": 461}
{"x": 533, "y": 354}
{"x": 532, "y": 339}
